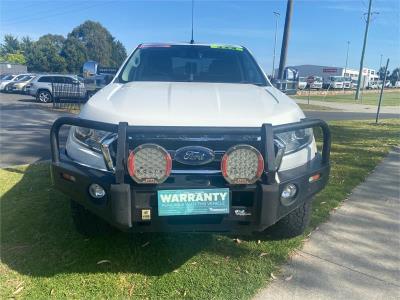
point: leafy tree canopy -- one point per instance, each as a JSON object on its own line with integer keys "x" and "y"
{"x": 10, "y": 45}
{"x": 99, "y": 44}
{"x": 55, "y": 53}
{"x": 16, "y": 58}
{"x": 395, "y": 76}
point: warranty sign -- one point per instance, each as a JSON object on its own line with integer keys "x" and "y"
{"x": 193, "y": 202}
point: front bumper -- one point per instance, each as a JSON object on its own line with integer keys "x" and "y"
{"x": 252, "y": 207}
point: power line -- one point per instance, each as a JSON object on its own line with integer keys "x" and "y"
{"x": 44, "y": 17}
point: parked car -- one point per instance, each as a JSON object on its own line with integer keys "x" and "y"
{"x": 3, "y": 76}
{"x": 334, "y": 82}
{"x": 317, "y": 84}
{"x": 354, "y": 83}
{"x": 302, "y": 83}
{"x": 10, "y": 78}
{"x": 372, "y": 85}
{"x": 347, "y": 83}
{"x": 396, "y": 84}
{"x": 46, "y": 87}
{"x": 19, "y": 85}
{"x": 190, "y": 138}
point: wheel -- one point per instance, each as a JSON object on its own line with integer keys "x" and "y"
{"x": 44, "y": 96}
{"x": 87, "y": 223}
{"x": 294, "y": 223}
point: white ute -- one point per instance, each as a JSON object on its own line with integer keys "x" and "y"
{"x": 191, "y": 137}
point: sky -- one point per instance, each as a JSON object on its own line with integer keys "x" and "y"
{"x": 319, "y": 32}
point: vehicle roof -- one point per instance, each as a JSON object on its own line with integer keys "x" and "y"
{"x": 70, "y": 75}
{"x": 188, "y": 44}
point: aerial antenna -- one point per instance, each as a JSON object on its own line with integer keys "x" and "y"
{"x": 192, "y": 40}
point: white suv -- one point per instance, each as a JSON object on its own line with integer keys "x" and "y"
{"x": 46, "y": 87}
{"x": 190, "y": 137}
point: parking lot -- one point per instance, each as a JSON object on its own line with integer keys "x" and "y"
{"x": 24, "y": 129}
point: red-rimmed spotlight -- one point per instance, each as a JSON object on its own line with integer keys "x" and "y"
{"x": 149, "y": 164}
{"x": 242, "y": 164}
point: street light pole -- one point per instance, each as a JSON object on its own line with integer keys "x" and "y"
{"x": 347, "y": 60}
{"x": 276, "y": 31}
{"x": 363, "y": 52}
{"x": 347, "y": 57}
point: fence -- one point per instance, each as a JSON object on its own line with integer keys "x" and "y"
{"x": 69, "y": 96}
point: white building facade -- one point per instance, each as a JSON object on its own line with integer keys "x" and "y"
{"x": 326, "y": 71}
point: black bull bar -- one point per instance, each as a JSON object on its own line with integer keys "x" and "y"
{"x": 266, "y": 131}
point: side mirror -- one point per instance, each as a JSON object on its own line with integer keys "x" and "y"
{"x": 75, "y": 81}
{"x": 89, "y": 69}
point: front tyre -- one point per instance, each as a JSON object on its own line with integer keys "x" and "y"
{"x": 294, "y": 223}
{"x": 44, "y": 96}
{"x": 87, "y": 223}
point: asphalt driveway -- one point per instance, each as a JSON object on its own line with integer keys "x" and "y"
{"x": 24, "y": 130}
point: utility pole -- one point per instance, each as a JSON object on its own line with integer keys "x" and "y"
{"x": 363, "y": 52}
{"x": 285, "y": 40}
{"x": 276, "y": 31}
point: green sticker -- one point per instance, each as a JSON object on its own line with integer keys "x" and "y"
{"x": 226, "y": 47}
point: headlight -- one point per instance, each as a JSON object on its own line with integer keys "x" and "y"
{"x": 149, "y": 164}
{"x": 90, "y": 138}
{"x": 296, "y": 140}
{"x": 242, "y": 164}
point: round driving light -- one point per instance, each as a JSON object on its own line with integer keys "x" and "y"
{"x": 242, "y": 164}
{"x": 288, "y": 193}
{"x": 96, "y": 191}
{"x": 150, "y": 164}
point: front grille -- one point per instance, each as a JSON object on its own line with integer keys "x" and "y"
{"x": 218, "y": 143}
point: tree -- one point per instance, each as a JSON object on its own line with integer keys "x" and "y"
{"x": 44, "y": 56}
{"x": 26, "y": 44}
{"x": 55, "y": 40}
{"x": 74, "y": 53}
{"x": 118, "y": 53}
{"x": 55, "y": 53}
{"x": 16, "y": 58}
{"x": 100, "y": 45}
{"x": 381, "y": 73}
{"x": 10, "y": 45}
{"x": 395, "y": 76}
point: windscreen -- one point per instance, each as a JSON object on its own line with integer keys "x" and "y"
{"x": 192, "y": 63}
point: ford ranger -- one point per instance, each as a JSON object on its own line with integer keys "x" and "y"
{"x": 190, "y": 137}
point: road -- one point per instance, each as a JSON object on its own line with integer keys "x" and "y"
{"x": 25, "y": 124}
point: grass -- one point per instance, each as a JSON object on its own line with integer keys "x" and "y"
{"x": 390, "y": 98}
{"x": 43, "y": 257}
{"x": 313, "y": 107}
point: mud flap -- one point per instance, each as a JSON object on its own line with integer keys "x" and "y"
{"x": 121, "y": 205}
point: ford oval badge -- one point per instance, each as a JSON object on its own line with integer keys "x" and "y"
{"x": 194, "y": 155}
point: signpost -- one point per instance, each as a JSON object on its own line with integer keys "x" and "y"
{"x": 380, "y": 96}
{"x": 310, "y": 80}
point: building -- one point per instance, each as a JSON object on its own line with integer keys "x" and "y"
{"x": 11, "y": 68}
{"x": 326, "y": 71}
